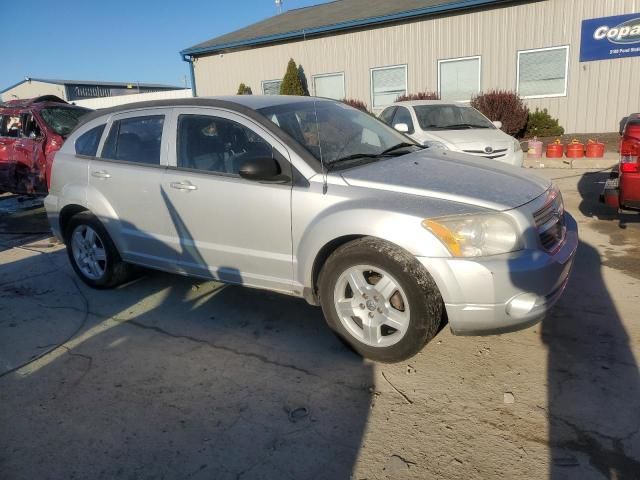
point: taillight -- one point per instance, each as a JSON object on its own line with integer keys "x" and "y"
{"x": 629, "y": 152}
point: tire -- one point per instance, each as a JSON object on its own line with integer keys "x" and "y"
{"x": 102, "y": 266}
{"x": 396, "y": 306}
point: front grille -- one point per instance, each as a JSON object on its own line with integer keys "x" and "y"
{"x": 501, "y": 152}
{"x": 550, "y": 223}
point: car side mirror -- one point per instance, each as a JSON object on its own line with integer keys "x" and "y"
{"x": 497, "y": 123}
{"x": 401, "y": 127}
{"x": 262, "y": 169}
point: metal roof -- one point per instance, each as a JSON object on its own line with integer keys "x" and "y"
{"x": 331, "y": 17}
{"x": 93, "y": 83}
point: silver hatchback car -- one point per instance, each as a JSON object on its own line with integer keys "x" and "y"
{"x": 312, "y": 198}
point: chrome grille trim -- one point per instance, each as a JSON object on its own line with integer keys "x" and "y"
{"x": 550, "y": 223}
{"x": 500, "y": 152}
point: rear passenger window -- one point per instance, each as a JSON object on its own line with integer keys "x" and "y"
{"x": 135, "y": 139}
{"x": 87, "y": 143}
{"x": 216, "y": 144}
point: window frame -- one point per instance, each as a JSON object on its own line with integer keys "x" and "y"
{"x": 280, "y": 151}
{"x": 458, "y": 59}
{"x": 168, "y": 124}
{"x": 270, "y": 81}
{"x": 390, "y": 67}
{"x": 566, "y": 71}
{"x": 334, "y": 74}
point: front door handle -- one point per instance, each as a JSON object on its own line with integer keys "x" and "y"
{"x": 101, "y": 174}
{"x": 185, "y": 185}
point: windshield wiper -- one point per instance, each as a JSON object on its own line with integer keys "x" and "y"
{"x": 398, "y": 147}
{"x": 464, "y": 125}
{"x": 361, "y": 156}
{"x": 355, "y": 156}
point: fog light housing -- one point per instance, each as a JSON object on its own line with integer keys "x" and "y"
{"x": 521, "y": 305}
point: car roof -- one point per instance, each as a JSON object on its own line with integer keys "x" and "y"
{"x": 37, "y": 103}
{"x": 415, "y": 103}
{"x": 232, "y": 102}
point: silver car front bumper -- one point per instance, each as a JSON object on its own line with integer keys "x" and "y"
{"x": 505, "y": 292}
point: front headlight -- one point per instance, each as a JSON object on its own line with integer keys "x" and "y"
{"x": 476, "y": 235}
{"x": 436, "y": 145}
{"x": 516, "y": 146}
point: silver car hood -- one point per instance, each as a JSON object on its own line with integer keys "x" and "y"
{"x": 451, "y": 176}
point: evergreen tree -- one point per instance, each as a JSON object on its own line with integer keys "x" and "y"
{"x": 244, "y": 90}
{"x": 291, "y": 83}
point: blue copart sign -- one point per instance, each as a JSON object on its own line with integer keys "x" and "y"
{"x": 610, "y": 37}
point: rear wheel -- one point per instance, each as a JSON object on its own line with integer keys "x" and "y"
{"x": 93, "y": 254}
{"x": 380, "y": 299}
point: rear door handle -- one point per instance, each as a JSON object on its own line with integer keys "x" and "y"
{"x": 101, "y": 174}
{"x": 184, "y": 185}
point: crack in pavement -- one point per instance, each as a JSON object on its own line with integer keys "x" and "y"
{"x": 407, "y": 399}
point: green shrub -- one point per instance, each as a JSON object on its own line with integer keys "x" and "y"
{"x": 291, "y": 83}
{"x": 504, "y": 106}
{"x": 352, "y": 102}
{"x": 418, "y": 96}
{"x": 244, "y": 90}
{"x": 541, "y": 124}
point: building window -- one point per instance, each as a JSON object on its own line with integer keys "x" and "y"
{"x": 543, "y": 72}
{"x": 387, "y": 84}
{"x": 329, "y": 86}
{"x": 271, "y": 87}
{"x": 459, "y": 78}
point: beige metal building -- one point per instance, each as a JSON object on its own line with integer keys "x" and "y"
{"x": 72, "y": 90}
{"x": 563, "y": 55}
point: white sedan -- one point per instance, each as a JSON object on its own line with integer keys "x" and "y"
{"x": 453, "y": 126}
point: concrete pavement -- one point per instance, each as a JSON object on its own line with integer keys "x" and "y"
{"x": 168, "y": 377}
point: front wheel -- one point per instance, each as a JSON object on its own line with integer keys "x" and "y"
{"x": 380, "y": 299}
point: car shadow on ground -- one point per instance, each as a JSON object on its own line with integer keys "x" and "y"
{"x": 590, "y": 187}
{"x": 593, "y": 380}
{"x": 173, "y": 378}
{"x": 593, "y": 377}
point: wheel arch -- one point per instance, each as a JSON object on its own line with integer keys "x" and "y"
{"x": 311, "y": 294}
{"x": 66, "y": 214}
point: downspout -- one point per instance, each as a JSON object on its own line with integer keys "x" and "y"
{"x": 189, "y": 60}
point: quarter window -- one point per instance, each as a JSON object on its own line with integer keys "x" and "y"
{"x": 271, "y": 87}
{"x": 135, "y": 139}
{"x": 459, "y": 78}
{"x": 543, "y": 73}
{"x": 215, "y": 144}
{"x": 87, "y": 143}
{"x": 387, "y": 84}
{"x": 329, "y": 86}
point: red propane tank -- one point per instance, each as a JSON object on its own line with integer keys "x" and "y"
{"x": 595, "y": 149}
{"x": 575, "y": 149}
{"x": 555, "y": 150}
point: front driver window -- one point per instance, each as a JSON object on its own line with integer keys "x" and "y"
{"x": 215, "y": 144}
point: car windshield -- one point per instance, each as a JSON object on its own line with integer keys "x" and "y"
{"x": 63, "y": 120}
{"x": 333, "y": 132}
{"x": 450, "y": 117}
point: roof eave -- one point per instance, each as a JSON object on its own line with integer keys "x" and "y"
{"x": 349, "y": 25}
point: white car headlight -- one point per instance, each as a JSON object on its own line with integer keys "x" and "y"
{"x": 476, "y": 235}
{"x": 435, "y": 144}
{"x": 516, "y": 146}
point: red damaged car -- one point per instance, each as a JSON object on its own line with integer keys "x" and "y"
{"x": 622, "y": 190}
{"x": 31, "y": 131}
